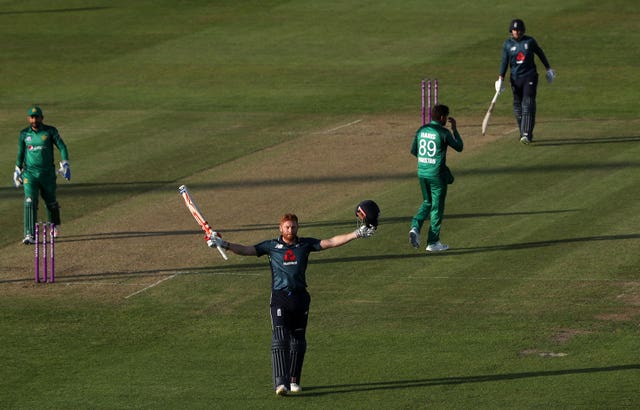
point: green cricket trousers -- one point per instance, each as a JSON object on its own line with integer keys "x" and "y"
{"x": 434, "y": 193}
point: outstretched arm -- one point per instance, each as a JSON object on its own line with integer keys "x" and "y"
{"x": 339, "y": 240}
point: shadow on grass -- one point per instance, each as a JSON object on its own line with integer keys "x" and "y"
{"x": 443, "y": 381}
{"x": 538, "y": 244}
{"x": 106, "y": 189}
{"x": 273, "y": 227}
{"x": 262, "y": 266}
{"x": 41, "y": 11}
{"x": 239, "y": 269}
{"x": 583, "y": 141}
{"x": 479, "y": 249}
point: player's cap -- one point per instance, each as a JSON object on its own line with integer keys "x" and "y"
{"x": 516, "y": 24}
{"x": 35, "y": 111}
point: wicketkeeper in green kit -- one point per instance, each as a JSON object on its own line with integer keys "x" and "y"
{"x": 35, "y": 170}
{"x": 430, "y": 147}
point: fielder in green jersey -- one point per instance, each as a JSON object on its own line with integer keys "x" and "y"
{"x": 35, "y": 170}
{"x": 430, "y": 148}
{"x": 289, "y": 305}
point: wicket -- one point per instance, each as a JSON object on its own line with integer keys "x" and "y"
{"x": 48, "y": 266}
{"x": 427, "y": 100}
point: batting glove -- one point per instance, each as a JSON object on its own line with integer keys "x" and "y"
{"x": 215, "y": 241}
{"x": 551, "y": 75}
{"x": 17, "y": 177}
{"x": 64, "y": 170}
{"x": 500, "y": 85}
{"x": 365, "y": 231}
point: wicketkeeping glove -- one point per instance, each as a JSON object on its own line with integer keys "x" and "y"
{"x": 551, "y": 75}
{"x": 17, "y": 177}
{"x": 64, "y": 170}
{"x": 215, "y": 241}
{"x": 365, "y": 231}
{"x": 500, "y": 85}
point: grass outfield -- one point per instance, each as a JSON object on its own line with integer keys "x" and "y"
{"x": 273, "y": 106}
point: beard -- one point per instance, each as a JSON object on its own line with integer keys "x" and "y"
{"x": 289, "y": 237}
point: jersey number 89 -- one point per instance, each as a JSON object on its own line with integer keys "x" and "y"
{"x": 427, "y": 148}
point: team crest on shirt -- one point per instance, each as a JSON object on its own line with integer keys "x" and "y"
{"x": 290, "y": 258}
{"x": 44, "y": 137}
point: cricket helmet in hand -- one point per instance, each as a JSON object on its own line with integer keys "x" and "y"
{"x": 368, "y": 212}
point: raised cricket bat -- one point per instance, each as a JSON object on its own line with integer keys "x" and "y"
{"x": 197, "y": 215}
{"x": 485, "y": 122}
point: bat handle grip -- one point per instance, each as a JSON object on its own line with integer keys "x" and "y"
{"x": 223, "y": 253}
{"x": 495, "y": 97}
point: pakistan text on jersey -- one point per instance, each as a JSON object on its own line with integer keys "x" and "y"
{"x": 427, "y": 160}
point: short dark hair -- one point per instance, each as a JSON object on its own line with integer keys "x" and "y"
{"x": 439, "y": 110}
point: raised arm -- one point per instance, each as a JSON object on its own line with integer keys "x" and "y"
{"x": 239, "y": 249}
{"x": 343, "y": 239}
{"x": 338, "y": 240}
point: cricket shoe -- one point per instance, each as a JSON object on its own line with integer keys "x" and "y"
{"x": 414, "y": 238}
{"x": 56, "y": 231}
{"x": 295, "y": 388}
{"x": 281, "y": 390}
{"x": 525, "y": 140}
{"x": 28, "y": 240}
{"x": 437, "y": 247}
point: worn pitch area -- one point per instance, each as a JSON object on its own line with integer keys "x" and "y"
{"x": 147, "y": 240}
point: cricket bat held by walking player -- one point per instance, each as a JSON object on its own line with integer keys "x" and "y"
{"x": 197, "y": 215}
{"x": 485, "y": 122}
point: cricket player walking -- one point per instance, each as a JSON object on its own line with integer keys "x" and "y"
{"x": 518, "y": 53}
{"x": 35, "y": 170}
{"x": 430, "y": 148}
{"x": 289, "y": 305}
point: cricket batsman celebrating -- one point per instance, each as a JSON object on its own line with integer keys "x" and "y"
{"x": 35, "y": 170}
{"x": 288, "y": 257}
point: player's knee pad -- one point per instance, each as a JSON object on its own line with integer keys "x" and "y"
{"x": 30, "y": 214}
{"x": 298, "y": 349}
{"x": 528, "y": 117}
{"x": 298, "y": 341}
{"x": 280, "y": 355}
{"x": 517, "y": 111}
{"x": 54, "y": 212}
{"x": 528, "y": 106}
{"x": 280, "y": 338}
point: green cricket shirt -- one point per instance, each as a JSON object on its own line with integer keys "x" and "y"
{"x": 430, "y": 147}
{"x": 35, "y": 149}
